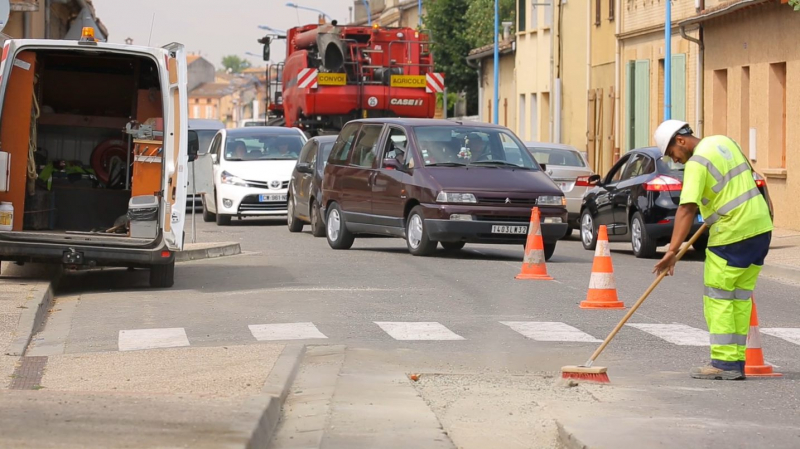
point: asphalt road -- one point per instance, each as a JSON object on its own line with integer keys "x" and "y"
{"x": 365, "y": 297}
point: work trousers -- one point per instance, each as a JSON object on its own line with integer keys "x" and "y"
{"x": 730, "y": 276}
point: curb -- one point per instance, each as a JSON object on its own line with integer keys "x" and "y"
{"x": 32, "y": 317}
{"x": 222, "y": 250}
{"x": 781, "y": 272}
{"x": 568, "y": 439}
{"x": 267, "y": 406}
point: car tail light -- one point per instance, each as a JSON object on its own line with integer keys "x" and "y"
{"x": 582, "y": 181}
{"x": 663, "y": 184}
{"x": 760, "y": 181}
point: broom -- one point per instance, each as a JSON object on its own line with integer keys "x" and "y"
{"x": 587, "y": 372}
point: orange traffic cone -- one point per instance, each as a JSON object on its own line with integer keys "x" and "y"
{"x": 533, "y": 266}
{"x": 754, "y": 357}
{"x": 602, "y": 285}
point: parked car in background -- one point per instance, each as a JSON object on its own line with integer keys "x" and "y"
{"x": 569, "y": 169}
{"x": 200, "y": 169}
{"x": 252, "y": 122}
{"x": 251, "y": 168}
{"x": 305, "y": 187}
{"x": 637, "y": 200}
{"x": 431, "y": 181}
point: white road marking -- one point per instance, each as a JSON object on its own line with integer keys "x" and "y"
{"x": 679, "y": 334}
{"x": 550, "y": 331}
{"x": 285, "y": 331}
{"x": 418, "y": 331}
{"x": 136, "y": 339}
{"x": 309, "y": 289}
{"x": 792, "y": 335}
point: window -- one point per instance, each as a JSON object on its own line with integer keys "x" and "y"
{"x": 558, "y": 157}
{"x": 396, "y": 145}
{"x": 598, "y": 6}
{"x": 719, "y": 92}
{"x": 521, "y": 6}
{"x": 195, "y": 111}
{"x": 611, "y": 9}
{"x": 209, "y": 112}
{"x": 308, "y": 150}
{"x": 215, "y": 145}
{"x": 205, "y": 136}
{"x": 534, "y": 118}
{"x": 744, "y": 136}
{"x": 263, "y": 147}
{"x": 777, "y": 115}
{"x": 453, "y": 146}
{"x": 344, "y": 143}
{"x": 366, "y": 146}
{"x": 326, "y": 152}
{"x": 615, "y": 175}
{"x": 639, "y": 165}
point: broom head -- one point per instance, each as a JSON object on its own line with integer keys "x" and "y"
{"x": 585, "y": 374}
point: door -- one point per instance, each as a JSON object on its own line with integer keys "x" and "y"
{"x": 605, "y": 198}
{"x": 302, "y": 181}
{"x": 213, "y": 160}
{"x": 638, "y": 170}
{"x": 388, "y": 186}
{"x": 357, "y": 175}
{"x": 176, "y": 136}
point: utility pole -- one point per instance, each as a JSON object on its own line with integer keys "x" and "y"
{"x": 496, "y": 99}
{"x": 668, "y": 62}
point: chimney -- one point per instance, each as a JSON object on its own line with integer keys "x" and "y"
{"x": 507, "y": 30}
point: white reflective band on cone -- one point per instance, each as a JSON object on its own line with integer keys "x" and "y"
{"x": 754, "y": 338}
{"x": 602, "y": 281}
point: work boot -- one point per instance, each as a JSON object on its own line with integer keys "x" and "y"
{"x": 712, "y": 373}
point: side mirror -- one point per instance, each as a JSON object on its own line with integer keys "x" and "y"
{"x": 193, "y": 146}
{"x": 266, "y": 55}
{"x": 392, "y": 164}
{"x": 594, "y": 180}
{"x": 304, "y": 167}
{"x": 544, "y": 167}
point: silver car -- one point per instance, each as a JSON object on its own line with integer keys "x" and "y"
{"x": 569, "y": 169}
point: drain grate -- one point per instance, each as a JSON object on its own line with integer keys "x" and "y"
{"x": 28, "y": 375}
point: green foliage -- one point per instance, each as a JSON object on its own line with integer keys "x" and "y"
{"x": 450, "y": 33}
{"x": 795, "y": 4}
{"x": 452, "y": 98}
{"x": 235, "y": 63}
{"x": 480, "y": 17}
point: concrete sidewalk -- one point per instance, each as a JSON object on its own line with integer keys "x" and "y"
{"x": 783, "y": 261}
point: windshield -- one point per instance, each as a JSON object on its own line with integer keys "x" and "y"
{"x": 205, "y": 136}
{"x": 263, "y": 147}
{"x": 474, "y": 146}
{"x": 557, "y": 157}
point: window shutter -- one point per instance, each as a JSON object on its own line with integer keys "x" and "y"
{"x": 642, "y": 107}
{"x": 678, "y": 86}
{"x": 630, "y": 90}
{"x": 597, "y": 7}
{"x": 611, "y": 9}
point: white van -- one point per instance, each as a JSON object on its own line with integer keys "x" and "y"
{"x": 98, "y": 172}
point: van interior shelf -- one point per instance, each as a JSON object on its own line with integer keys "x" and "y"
{"x": 86, "y": 121}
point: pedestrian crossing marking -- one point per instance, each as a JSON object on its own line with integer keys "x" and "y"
{"x": 285, "y": 331}
{"x": 408, "y": 331}
{"x": 550, "y": 331}
{"x": 679, "y": 334}
{"x": 137, "y": 339}
{"x": 792, "y": 335}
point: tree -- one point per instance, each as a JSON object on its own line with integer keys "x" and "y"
{"x": 795, "y": 4}
{"x": 235, "y": 64}
{"x": 480, "y": 19}
{"x": 450, "y": 33}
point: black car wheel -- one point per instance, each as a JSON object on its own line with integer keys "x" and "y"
{"x": 294, "y": 224}
{"x": 338, "y": 235}
{"x": 453, "y": 246}
{"x": 208, "y": 216}
{"x": 317, "y": 226}
{"x": 588, "y": 231}
{"x": 549, "y": 250}
{"x": 417, "y": 236}
{"x": 643, "y": 246}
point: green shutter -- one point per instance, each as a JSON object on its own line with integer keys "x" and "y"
{"x": 642, "y": 106}
{"x": 678, "y": 86}
{"x": 629, "y": 104}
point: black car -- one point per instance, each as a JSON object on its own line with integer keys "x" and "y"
{"x": 305, "y": 187}
{"x": 637, "y": 201}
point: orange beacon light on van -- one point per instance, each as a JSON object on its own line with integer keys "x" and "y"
{"x": 87, "y": 35}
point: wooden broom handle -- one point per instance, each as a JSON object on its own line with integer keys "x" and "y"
{"x": 647, "y": 293}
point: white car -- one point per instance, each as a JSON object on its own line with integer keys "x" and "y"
{"x": 570, "y": 170}
{"x": 251, "y": 168}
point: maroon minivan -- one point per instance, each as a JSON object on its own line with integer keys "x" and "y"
{"x": 436, "y": 181}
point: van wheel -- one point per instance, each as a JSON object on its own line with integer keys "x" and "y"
{"x": 643, "y": 246}
{"x": 417, "y": 236}
{"x": 338, "y": 235}
{"x": 317, "y": 226}
{"x": 208, "y": 216}
{"x": 162, "y": 276}
{"x": 549, "y": 250}
{"x": 223, "y": 220}
{"x": 295, "y": 225}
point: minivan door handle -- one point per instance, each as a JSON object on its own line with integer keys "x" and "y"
{"x": 371, "y": 179}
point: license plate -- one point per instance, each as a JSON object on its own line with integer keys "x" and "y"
{"x": 274, "y": 197}
{"x": 700, "y": 218}
{"x": 509, "y": 229}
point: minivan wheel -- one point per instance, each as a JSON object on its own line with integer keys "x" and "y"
{"x": 295, "y": 225}
{"x": 549, "y": 250}
{"x": 588, "y": 231}
{"x": 162, "y": 276}
{"x": 568, "y": 234}
{"x": 317, "y": 227}
{"x": 338, "y": 235}
{"x": 417, "y": 236}
{"x": 208, "y": 216}
{"x": 453, "y": 246}
{"x": 643, "y": 246}
{"x": 223, "y": 220}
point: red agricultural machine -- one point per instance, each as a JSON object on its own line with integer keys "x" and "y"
{"x": 333, "y": 74}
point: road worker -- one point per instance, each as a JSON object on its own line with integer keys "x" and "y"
{"x": 718, "y": 180}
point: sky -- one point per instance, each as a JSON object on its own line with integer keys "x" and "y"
{"x": 212, "y": 28}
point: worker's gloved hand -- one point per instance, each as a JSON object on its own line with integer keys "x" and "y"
{"x": 667, "y": 263}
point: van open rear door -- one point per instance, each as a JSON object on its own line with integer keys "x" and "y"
{"x": 175, "y": 149}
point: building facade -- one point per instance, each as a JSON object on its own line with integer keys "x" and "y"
{"x": 388, "y": 13}
{"x": 483, "y": 60}
{"x": 570, "y": 72}
{"x": 40, "y": 19}
{"x": 532, "y": 69}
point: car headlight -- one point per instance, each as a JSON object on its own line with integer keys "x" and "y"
{"x": 552, "y": 201}
{"x": 449, "y": 197}
{"x": 228, "y": 178}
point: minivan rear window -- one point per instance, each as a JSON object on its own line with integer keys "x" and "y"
{"x": 557, "y": 157}
{"x": 459, "y": 145}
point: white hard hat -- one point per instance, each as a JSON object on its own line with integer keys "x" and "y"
{"x": 666, "y": 131}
